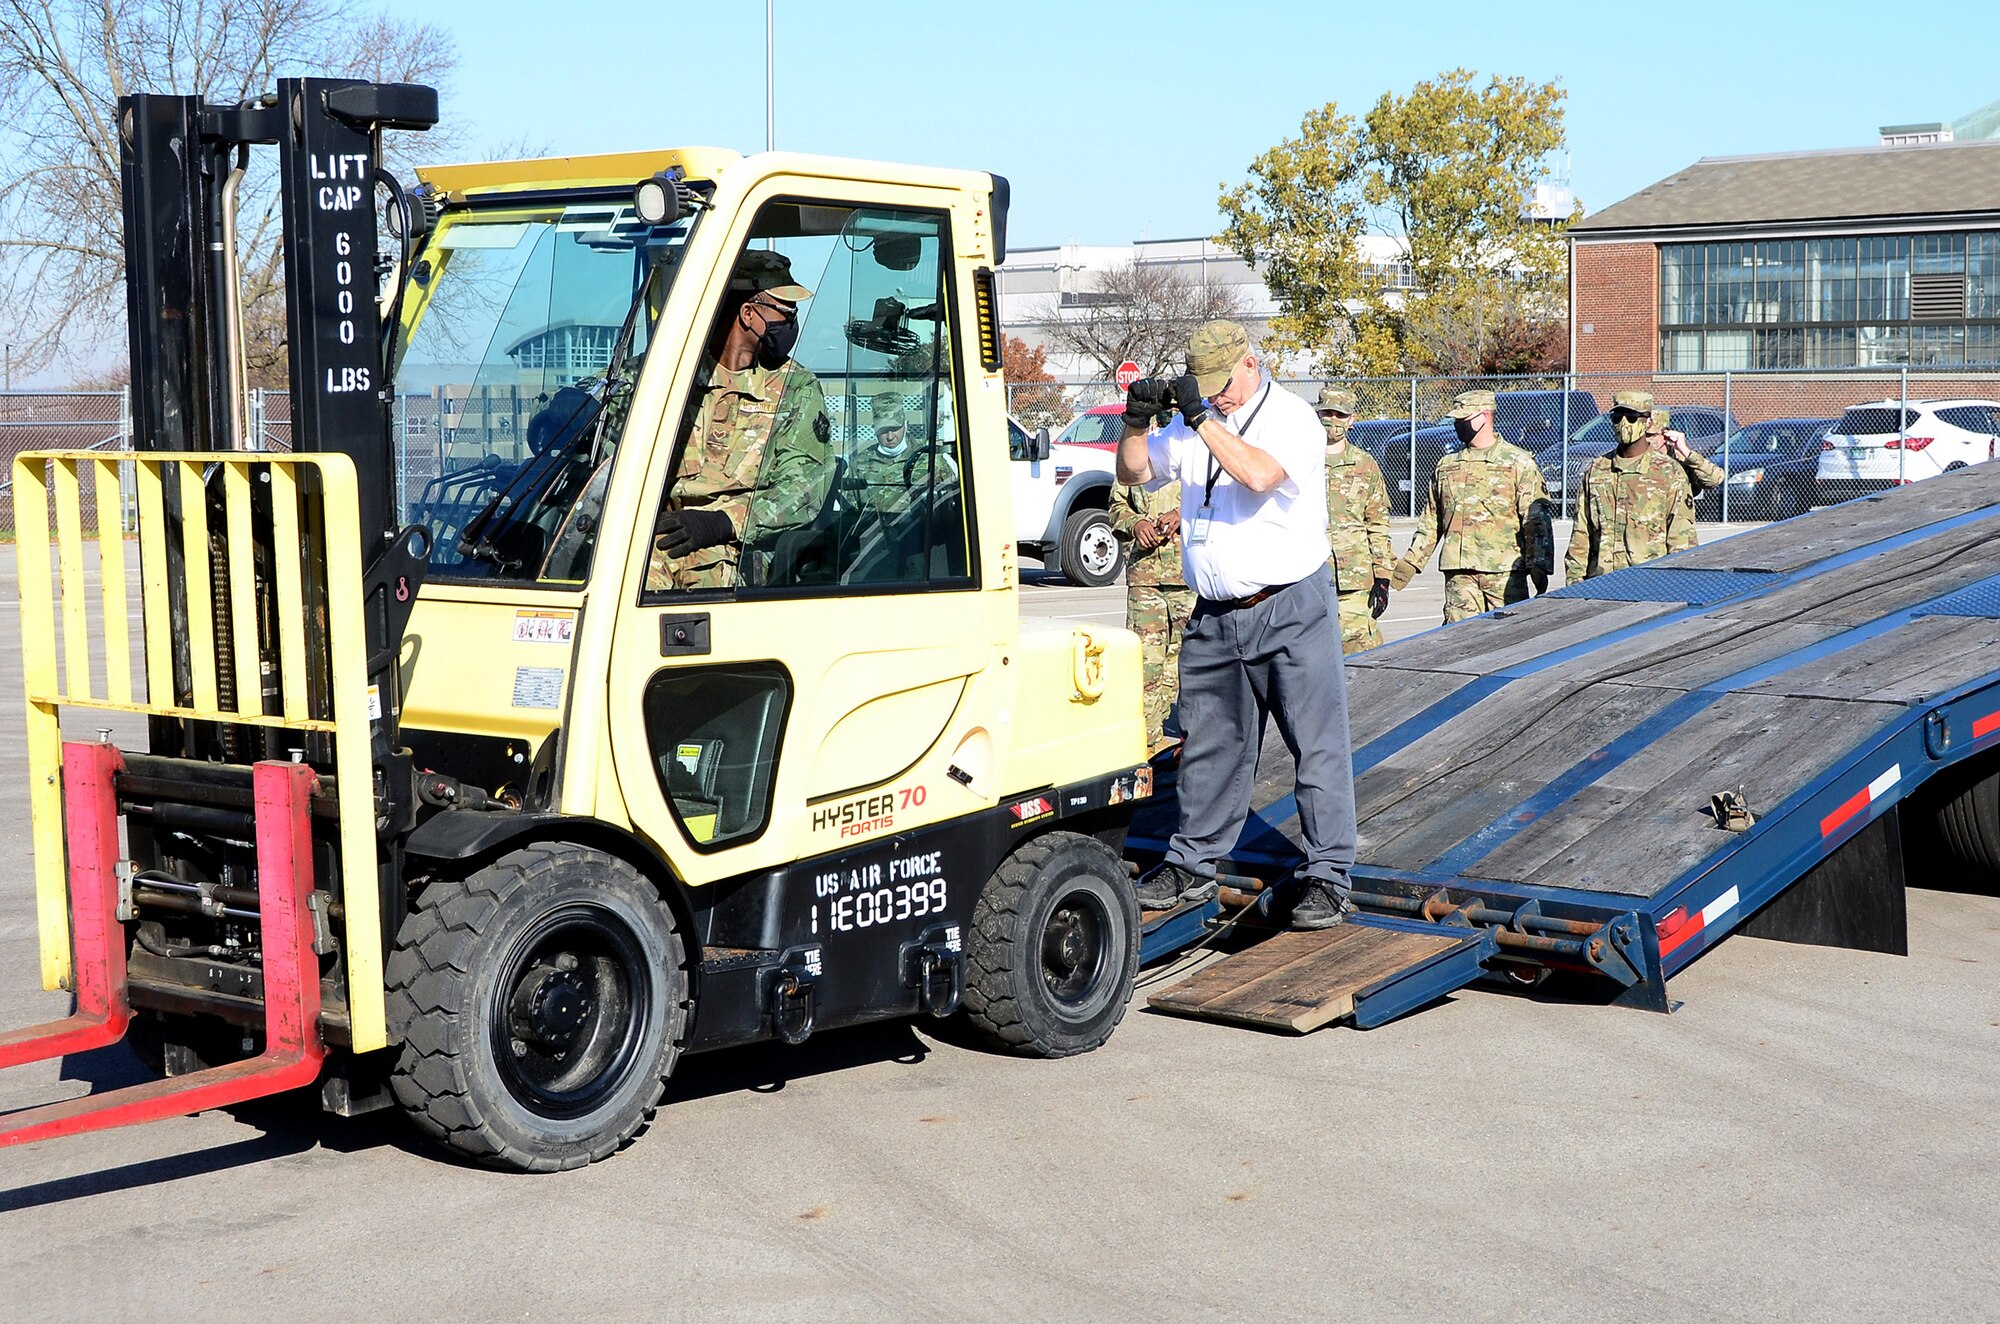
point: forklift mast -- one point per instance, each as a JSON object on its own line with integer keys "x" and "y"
{"x": 182, "y": 162}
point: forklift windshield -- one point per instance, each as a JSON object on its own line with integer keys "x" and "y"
{"x": 522, "y": 324}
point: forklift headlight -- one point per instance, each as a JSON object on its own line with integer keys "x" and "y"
{"x": 656, "y": 201}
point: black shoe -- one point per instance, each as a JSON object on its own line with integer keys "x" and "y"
{"x": 1320, "y": 906}
{"x": 1171, "y": 886}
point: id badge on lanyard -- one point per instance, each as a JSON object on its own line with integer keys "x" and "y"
{"x": 1198, "y": 532}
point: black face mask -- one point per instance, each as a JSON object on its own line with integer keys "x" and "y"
{"x": 1466, "y": 429}
{"x": 777, "y": 342}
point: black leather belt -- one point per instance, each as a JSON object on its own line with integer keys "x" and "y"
{"x": 1235, "y": 604}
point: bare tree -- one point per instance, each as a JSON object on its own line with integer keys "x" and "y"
{"x": 63, "y": 66}
{"x": 1142, "y": 311}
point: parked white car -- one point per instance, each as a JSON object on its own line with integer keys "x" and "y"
{"x": 1062, "y": 503}
{"x": 1889, "y": 442}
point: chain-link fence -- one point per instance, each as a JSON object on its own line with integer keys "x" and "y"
{"x": 63, "y": 420}
{"x": 1787, "y": 441}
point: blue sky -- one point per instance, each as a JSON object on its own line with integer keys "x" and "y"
{"x": 1121, "y": 121}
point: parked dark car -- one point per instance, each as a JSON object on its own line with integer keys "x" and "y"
{"x": 1373, "y": 434}
{"x": 1535, "y": 419}
{"x": 1407, "y": 486}
{"x": 1791, "y": 486}
{"x": 1748, "y": 454}
{"x": 1703, "y": 425}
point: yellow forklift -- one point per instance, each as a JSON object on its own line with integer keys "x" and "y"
{"x": 459, "y": 792}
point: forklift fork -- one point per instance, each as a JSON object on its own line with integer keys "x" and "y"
{"x": 292, "y": 1052}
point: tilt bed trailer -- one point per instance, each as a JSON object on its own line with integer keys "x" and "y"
{"x": 453, "y": 798}
{"x": 1767, "y": 734}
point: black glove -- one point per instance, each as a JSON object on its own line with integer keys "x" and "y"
{"x": 682, "y": 531}
{"x": 1145, "y": 400}
{"x": 1540, "y": 580}
{"x": 1187, "y": 398}
{"x": 1378, "y": 599}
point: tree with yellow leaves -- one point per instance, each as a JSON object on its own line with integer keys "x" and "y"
{"x": 1448, "y": 171}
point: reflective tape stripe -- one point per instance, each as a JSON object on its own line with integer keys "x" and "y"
{"x": 1860, "y": 800}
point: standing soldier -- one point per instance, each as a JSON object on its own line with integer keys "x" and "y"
{"x": 1488, "y": 514}
{"x": 1158, "y": 601}
{"x": 1638, "y": 502}
{"x": 1357, "y": 526}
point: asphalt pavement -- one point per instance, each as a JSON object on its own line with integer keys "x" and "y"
{"x": 1810, "y": 1137}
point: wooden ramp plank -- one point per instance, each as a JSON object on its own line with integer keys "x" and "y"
{"x": 1300, "y": 981}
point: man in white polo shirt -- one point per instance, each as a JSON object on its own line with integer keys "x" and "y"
{"x": 1264, "y": 640}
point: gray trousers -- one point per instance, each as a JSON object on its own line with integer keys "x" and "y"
{"x": 1279, "y": 658}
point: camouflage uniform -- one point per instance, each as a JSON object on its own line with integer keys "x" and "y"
{"x": 882, "y": 478}
{"x": 758, "y": 450}
{"x": 1357, "y": 523}
{"x": 1158, "y": 601}
{"x": 758, "y": 447}
{"x": 1488, "y": 513}
{"x": 1636, "y": 508}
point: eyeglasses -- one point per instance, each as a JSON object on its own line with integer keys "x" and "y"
{"x": 778, "y": 312}
{"x": 1630, "y": 415}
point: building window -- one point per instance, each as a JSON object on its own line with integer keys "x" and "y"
{"x": 1868, "y": 301}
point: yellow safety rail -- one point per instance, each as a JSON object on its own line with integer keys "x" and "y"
{"x": 315, "y": 521}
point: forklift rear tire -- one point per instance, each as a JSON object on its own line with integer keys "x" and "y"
{"x": 1053, "y": 948}
{"x": 541, "y": 1004}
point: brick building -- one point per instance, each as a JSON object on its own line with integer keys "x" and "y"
{"x": 1878, "y": 262}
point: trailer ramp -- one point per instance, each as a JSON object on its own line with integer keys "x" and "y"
{"x": 1370, "y": 970}
{"x": 1548, "y": 771}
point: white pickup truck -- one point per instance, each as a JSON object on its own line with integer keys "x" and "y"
{"x": 1062, "y": 499}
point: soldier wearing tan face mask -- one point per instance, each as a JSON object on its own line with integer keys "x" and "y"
{"x": 1638, "y": 502}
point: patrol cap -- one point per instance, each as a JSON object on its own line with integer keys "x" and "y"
{"x": 761, "y": 271}
{"x": 1213, "y": 352}
{"x": 1662, "y": 417}
{"x": 1335, "y": 400}
{"x": 1639, "y": 402}
{"x": 887, "y": 410}
{"x": 1467, "y": 404}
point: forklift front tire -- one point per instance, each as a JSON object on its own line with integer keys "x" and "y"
{"x": 541, "y": 1003}
{"x": 1053, "y": 948}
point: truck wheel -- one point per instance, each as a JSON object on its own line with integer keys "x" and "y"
{"x": 1969, "y": 828}
{"x": 1089, "y": 551}
{"x": 1053, "y": 948}
{"x": 541, "y": 1003}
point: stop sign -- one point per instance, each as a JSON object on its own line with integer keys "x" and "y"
{"x": 1128, "y": 372}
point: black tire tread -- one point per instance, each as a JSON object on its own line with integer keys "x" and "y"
{"x": 1969, "y": 822}
{"x": 991, "y": 1007}
{"x": 429, "y": 1080}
